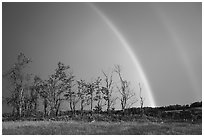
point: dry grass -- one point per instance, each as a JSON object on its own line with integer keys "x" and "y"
{"x": 103, "y": 128}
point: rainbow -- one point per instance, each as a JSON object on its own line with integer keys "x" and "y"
{"x": 130, "y": 52}
{"x": 179, "y": 46}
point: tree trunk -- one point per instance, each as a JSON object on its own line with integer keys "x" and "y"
{"x": 56, "y": 113}
{"x": 45, "y": 107}
{"x": 82, "y": 107}
{"x": 74, "y": 108}
{"x": 35, "y": 107}
{"x": 21, "y": 102}
{"x": 70, "y": 104}
{"x": 91, "y": 101}
{"x": 57, "y": 109}
{"x": 99, "y": 101}
{"x": 108, "y": 105}
{"x": 13, "y": 111}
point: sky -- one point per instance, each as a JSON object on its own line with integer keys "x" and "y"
{"x": 156, "y": 44}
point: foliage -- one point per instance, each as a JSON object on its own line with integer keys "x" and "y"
{"x": 57, "y": 84}
{"x": 18, "y": 83}
{"x": 82, "y": 89}
{"x": 196, "y": 104}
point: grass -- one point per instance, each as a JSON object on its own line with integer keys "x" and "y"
{"x": 99, "y": 128}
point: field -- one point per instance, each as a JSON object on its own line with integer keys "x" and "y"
{"x": 100, "y": 128}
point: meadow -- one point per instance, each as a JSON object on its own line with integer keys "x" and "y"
{"x": 100, "y": 128}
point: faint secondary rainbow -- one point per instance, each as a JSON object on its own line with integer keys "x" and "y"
{"x": 133, "y": 57}
{"x": 179, "y": 46}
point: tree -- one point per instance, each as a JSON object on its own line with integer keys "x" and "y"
{"x": 92, "y": 87}
{"x": 57, "y": 84}
{"x": 99, "y": 95}
{"x": 107, "y": 90}
{"x": 90, "y": 94}
{"x": 43, "y": 93}
{"x": 71, "y": 96}
{"x": 27, "y": 101}
{"x": 126, "y": 93}
{"x": 18, "y": 82}
{"x": 75, "y": 100}
{"x": 141, "y": 100}
{"x": 35, "y": 89}
{"x": 82, "y": 89}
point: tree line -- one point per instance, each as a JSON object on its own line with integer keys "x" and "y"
{"x": 62, "y": 86}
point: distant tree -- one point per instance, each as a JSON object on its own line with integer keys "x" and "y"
{"x": 125, "y": 91}
{"x": 57, "y": 84}
{"x": 98, "y": 95}
{"x": 107, "y": 91}
{"x": 43, "y": 93}
{"x": 141, "y": 100}
{"x": 71, "y": 96}
{"x": 90, "y": 94}
{"x": 92, "y": 88}
{"x": 35, "y": 89}
{"x": 75, "y": 100}
{"x": 18, "y": 81}
{"x": 196, "y": 104}
{"x": 69, "y": 93}
{"x": 82, "y": 89}
{"x": 26, "y": 105}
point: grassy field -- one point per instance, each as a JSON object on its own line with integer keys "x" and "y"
{"x": 100, "y": 128}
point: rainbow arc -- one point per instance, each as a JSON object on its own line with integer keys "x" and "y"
{"x": 130, "y": 52}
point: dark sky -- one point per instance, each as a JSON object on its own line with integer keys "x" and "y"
{"x": 164, "y": 40}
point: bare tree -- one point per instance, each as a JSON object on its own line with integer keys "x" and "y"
{"x": 141, "y": 100}
{"x": 125, "y": 91}
{"x": 107, "y": 91}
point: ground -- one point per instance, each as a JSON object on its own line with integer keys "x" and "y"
{"x": 100, "y": 128}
